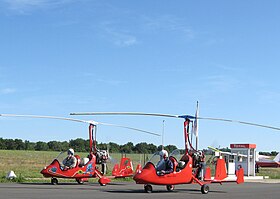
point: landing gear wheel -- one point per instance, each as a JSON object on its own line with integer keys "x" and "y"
{"x": 54, "y": 181}
{"x": 148, "y": 188}
{"x": 204, "y": 189}
{"x": 170, "y": 187}
{"x": 102, "y": 184}
{"x": 79, "y": 181}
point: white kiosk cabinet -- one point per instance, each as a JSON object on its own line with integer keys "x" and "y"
{"x": 245, "y": 158}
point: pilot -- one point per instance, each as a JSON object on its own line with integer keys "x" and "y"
{"x": 165, "y": 165}
{"x": 70, "y": 161}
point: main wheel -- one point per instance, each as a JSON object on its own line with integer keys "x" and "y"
{"x": 204, "y": 189}
{"x": 54, "y": 181}
{"x": 101, "y": 184}
{"x": 148, "y": 188}
{"x": 79, "y": 181}
{"x": 170, "y": 187}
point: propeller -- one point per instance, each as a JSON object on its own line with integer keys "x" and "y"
{"x": 175, "y": 116}
{"x": 78, "y": 120}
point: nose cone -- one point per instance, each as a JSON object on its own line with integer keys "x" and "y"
{"x": 145, "y": 175}
{"x": 48, "y": 171}
{"x": 44, "y": 171}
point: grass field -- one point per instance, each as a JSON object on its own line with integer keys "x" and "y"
{"x": 28, "y": 164}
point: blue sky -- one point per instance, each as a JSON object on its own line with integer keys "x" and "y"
{"x": 155, "y": 56}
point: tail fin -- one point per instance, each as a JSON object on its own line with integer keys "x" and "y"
{"x": 207, "y": 174}
{"x": 125, "y": 168}
{"x": 240, "y": 175}
{"x": 138, "y": 168}
{"x": 220, "y": 172}
{"x": 277, "y": 158}
{"x": 115, "y": 171}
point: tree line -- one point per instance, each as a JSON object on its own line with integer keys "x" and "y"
{"x": 80, "y": 145}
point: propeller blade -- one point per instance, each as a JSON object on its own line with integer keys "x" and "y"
{"x": 77, "y": 120}
{"x": 174, "y": 116}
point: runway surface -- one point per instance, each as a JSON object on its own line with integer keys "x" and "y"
{"x": 248, "y": 190}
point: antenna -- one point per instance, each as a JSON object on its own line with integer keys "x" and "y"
{"x": 162, "y": 136}
{"x": 196, "y": 126}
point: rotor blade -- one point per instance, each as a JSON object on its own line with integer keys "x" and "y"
{"x": 126, "y": 113}
{"x": 135, "y": 129}
{"x": 50, "y": 117}
{"x": 77, "y": 120}
{"x": 241, "y": 122}
{"x": 174, "y": 116}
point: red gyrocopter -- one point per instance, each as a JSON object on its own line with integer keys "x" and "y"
{"x": 186, "y": 167}
{"x": 86, "y": 167}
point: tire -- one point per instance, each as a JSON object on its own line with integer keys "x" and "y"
{"x": 170, "y": 187}
{"x": 102, "y": 184}
{"x": 148, "y": 188}
{"x": 204, "y": 189}
{"x": 79, "y": 181}
{"x": 54, "y": 181}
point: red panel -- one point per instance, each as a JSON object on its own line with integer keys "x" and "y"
{"x": 245, "y": 146}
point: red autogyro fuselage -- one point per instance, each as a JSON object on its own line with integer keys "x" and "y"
{"x": 148, "y": 175}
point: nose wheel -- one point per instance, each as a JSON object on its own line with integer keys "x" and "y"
{"x": 204, "y": 189}
{"x": 170, "y": 187}
{"x": 148, "y": 188}
{"x": 80, "y": 181}
{"x": 54, "y": 181}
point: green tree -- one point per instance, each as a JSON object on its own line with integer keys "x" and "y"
{"x": 141, "y": 147}
{"x": 29, "y": 145}
{"x": 114, "y": 147}
{"x": 10, "y": 144}
{"x": 126, "y": 148}
{"x": 41, "y": 146}
{"x": 54, "y": 146}
{"x": 19, "y": 144}
{"x": 170, "y": 148}
{"x": 2, "y": 144}
{"x": 64, "y": 145}
{"x": 78, "y": 144}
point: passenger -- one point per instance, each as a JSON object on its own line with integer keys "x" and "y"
{"x": 201, "y": 165}
{"x": 70, "y": 161}
{"x": 165, "y": 165}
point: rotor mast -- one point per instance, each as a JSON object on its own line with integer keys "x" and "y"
{"x": 186, "y": 135}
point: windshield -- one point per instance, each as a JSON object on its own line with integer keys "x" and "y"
{"x": 61, "y": 156}
{"x": 155, "y": 158}
{"x": 176, "y": 154}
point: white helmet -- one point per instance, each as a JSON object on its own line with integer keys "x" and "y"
{"x": 163, "y": 153}
{"x": 70, "y": 151}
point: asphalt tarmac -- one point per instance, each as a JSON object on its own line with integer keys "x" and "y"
{"x": 130, "y": 190}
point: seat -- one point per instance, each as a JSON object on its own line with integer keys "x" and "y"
{"x": 78, "y": 160}
{"x": 174, "y": 162}
{"x": 83, "y": 162}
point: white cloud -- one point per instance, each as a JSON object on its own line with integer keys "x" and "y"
{"x": 7, "y": 91}
{"x": 169, "y": 23}
{"x": 26, "y": 6}
{"x": 121, "y": 38}
{"x": 125, "y": 40}
{"x": 110, "y": 81}
{"x": 221, "y": 83}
